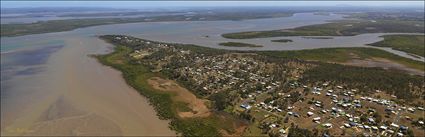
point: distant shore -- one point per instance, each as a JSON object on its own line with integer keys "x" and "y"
{"x": 11, "y": 30}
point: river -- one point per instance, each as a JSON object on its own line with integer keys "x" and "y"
{"x": 50, "y": 86}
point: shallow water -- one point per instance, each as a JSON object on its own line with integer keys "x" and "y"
{"x": 59, "y": 90}
{"x": 66, "y": 87}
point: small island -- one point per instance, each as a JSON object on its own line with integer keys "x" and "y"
{"x": 238, "y": 44}
{"x": 318, "y": 37}
{"x": 282, "y": 40}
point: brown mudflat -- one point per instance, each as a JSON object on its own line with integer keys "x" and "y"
{"x": 79, "y": 96}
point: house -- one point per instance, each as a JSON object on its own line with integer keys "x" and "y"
{"x": 347, "y": 125}
{"x": 371, "y": 120}
{"x": 289, "y": 108}
{"x": 326, "y": 135}
{"x": 404, "y": 128}
{"x": 327, "y": 125}
{"x": 348, "y": 115}
{"x": 310, "y": 113}
{"x": 246, "y": 106}
{"x": 282, "y": 131}
{"x": 411, "y": 109}
{"x": 272, "y": 125}
{"x": 316, "y": 119}
{"x": 334, "y": 109}
{"x": 366, "y": 127}
{"x": 394, "y": 125}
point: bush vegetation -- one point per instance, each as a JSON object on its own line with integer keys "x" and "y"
{"x": 136, "y": 76}
{"x": 282, "y": 40}
{"x": 340, "y": 28}
{"x": 414, "y": 44}
{"x": 343, "y": 55}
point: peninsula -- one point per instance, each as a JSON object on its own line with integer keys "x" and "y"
{"x": 258, "y": 93}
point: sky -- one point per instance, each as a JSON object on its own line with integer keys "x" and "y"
{"x": 136, "y": 4}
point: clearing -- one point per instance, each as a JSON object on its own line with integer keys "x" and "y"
{"x": 198, "y": 107}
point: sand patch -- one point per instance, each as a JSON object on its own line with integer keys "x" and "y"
{"x": 87, "y": 124}
{"x": 239, "y": 130}
{"x": 198, "y": 107}
{"x": 63, "y": 119}
{"x": 59, "y": 109}
{"x": 383, "y": 63}
{"x": 118, "y": 61}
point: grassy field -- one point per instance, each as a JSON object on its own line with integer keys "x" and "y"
{"x": 238, "y": 44}
{"x": 341, "y": 55}
{"x": 413, "y": 44}
{"x": 338, "y": 28}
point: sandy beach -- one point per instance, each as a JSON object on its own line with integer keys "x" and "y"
{"x": 80, "y": 96}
